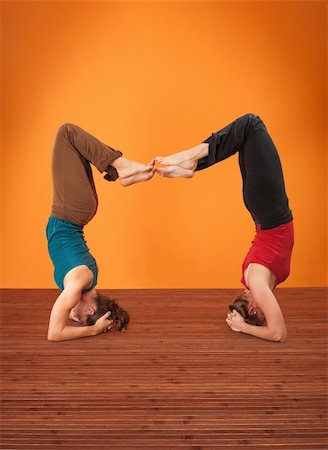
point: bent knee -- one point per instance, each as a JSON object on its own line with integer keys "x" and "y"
{"x": 254, "y": 122}
{"x": 251, "y": 117}
{"x": 64, "y": 129}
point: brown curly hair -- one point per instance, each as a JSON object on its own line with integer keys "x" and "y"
{"x": 118, "y": 315}
{"x": 240, "y": 304}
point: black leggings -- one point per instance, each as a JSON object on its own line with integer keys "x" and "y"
{"x": 263, "y": 181}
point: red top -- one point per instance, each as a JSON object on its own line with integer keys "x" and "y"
{"x": 272, "y": 249}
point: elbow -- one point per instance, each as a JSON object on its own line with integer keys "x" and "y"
{"x": 280, "y": 337}
{"x": 53, "y": 337}
{"x": 278, "y": 334}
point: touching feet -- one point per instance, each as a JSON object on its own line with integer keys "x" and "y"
{"x": 178, "y": 165}
{"x": 182, "y": 164}
{"x": 132, "y": 172}
{"x": 183, "y": 159}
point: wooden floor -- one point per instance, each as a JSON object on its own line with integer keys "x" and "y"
{"x": 177, "y": 379}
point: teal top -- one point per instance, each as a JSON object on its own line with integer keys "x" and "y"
{"x": 68, "y": 249}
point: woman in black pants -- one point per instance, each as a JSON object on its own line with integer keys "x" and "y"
{"x": 267, "y": 263}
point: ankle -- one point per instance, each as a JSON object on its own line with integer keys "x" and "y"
{"x": 198, "y": 152}
{"x": 120, "y": 162}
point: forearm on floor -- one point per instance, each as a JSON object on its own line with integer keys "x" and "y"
{"x": 263, "y": 332}
{"x": 70, "y": 332}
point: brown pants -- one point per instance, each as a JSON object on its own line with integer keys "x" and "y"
{"x": 74, "y": 193}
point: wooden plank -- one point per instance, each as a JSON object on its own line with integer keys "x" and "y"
{"x": 178, "y": 378}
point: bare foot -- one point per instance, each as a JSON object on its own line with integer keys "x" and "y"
{"x": 137, "y": 178}
{"x": 127, "y": 168}
{"x": 186, "y": 159}
{"x": 175, "y": 172}
{"x": 182, "y": 159}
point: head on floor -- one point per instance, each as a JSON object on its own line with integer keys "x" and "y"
{"x": 248, "y": 309}
{"x": 92, "y": 306}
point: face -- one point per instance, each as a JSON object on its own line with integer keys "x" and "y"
{"x": 253, "y": 308}
{"x": 84, "y": 308}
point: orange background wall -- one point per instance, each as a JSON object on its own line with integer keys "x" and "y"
{"x": 153, "y": 78}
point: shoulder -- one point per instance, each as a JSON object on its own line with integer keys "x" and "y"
{"x": 79, "y": 276}
{"x": 257, "y": 274}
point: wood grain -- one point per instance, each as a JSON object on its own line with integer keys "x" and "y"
{"x": 178, "y": 378}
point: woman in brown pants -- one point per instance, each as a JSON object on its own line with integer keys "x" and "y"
{"x": 74, "y": 204}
